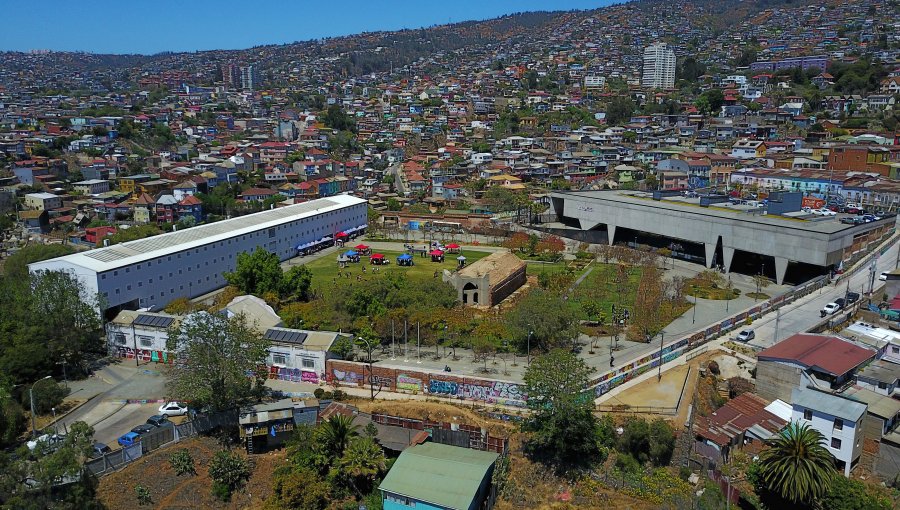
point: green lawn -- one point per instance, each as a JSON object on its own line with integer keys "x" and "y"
{"x": 600, "y": 286}
{"x": 325, "y": 269}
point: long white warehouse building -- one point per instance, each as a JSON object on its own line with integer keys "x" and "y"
{"x": 149, "y": 273}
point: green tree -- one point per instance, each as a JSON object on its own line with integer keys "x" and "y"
{"x": 619, "y": 110}
{"x": 49, "y": 467}
{"x": 228, "y": 471}
{"x": 47, "y": 395}
{"x": 336, "y": 118}
{"x": 796, "y": 467}
{"x": 393, "y": 204}
{"x": 335, "y": 434}
{"x": 214, "y": 356}
{"x": 12, "y": 417}
{"x": 645, "y": 441}
{"x": 361, "y": 464}
{"x": 298, "y": 489}
{"x": 846, "y": 494}
{"x": 132, "y": 234}
{"x": 257, "y": 273}
{"x": 16, "y": 266}
{"x": 296, "y": 283}
{"x": 550, "y": 320}
{"x": 562, "y": 429}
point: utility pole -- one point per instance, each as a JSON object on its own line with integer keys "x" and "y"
{"x": 662, "y": 336}
{"x": 405, "y": 341}
{"x": 777, "y": 318}
{"x": 418, "y": 344}
{"x": 393, "y": 356}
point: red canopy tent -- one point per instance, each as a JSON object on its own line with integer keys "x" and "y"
{"x": 377, "y": 259}
{"x": 377, "y": 256}
{"x": 437, "y": 256}
{"x": 342, "y": 235}
{"x": 361, "y": 247}
{"x": 453, "y": 248}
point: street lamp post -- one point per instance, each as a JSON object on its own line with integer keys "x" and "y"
{"x": 31, "y": 399}
{"x": 528, "y": 348}
{"x": 371, "y": 373}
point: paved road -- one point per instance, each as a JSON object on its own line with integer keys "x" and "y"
{"x": 804, "y": 314}
{"x": 109, "y": 389}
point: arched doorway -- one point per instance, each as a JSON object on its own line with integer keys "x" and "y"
{"x": 470, "y": 293}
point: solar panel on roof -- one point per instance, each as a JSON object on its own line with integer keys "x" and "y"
{"x": 204, "y": 231}
{"x": 285, "y": 336}
{"x": 154, "y": 321}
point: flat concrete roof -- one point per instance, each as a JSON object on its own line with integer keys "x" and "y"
{"x": 724, "y": 210}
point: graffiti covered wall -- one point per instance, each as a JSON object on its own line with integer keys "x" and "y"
{"x": 440, "y": 385}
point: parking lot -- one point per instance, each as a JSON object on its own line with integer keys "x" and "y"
{"x": 119, "y": 397}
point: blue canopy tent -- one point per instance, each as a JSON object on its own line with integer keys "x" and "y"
{"x": 351, "y": 253}
{"x": 405, "y": 260}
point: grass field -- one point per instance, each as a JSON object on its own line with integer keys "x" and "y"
{"x": 325, "y": 270}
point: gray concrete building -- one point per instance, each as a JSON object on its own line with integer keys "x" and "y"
{"x": 743, "y": 238}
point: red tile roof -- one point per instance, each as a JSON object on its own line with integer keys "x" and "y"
{"x": 827, "y": 353}
{"x": 190, "y": 200}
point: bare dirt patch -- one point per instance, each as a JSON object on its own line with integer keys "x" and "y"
{"x": 170, "y": 491}
{"x": 436, "y": 411}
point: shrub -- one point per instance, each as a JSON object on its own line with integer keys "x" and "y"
{"x": 627, "y": 463}
{"x": 182, "y": 463}
{"x": 143, "y": 495}
{"x": 318, "y": 393}
{"x": 228, "y": 471}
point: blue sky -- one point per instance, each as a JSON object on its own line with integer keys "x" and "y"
{"x": 151, "y": 26}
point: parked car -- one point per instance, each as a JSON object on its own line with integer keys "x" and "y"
{"x": 173, "y": 409}
{"x": 143, "y": 429}
{"x": 99, "y": 449}
{"x": 824, "y": 212}
{"x": 830, "y": 309}
{"x": 129, "y": 439}
{"x": 158, "y": 420}
{"x": 746, "y": 335}
{"x": 883, "y": 276}
{"x": 52, "y": 441}
{"x": 852, "y": 297}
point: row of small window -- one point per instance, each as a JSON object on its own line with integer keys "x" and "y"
{"x": 163, "y": 293}
{"x": 282, "y": 359}
{"x": 144, "y": 341}
{"x": 400, "y": 500}
{"x": 838, "y": 423}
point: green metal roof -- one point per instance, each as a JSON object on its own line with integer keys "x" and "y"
{"x": 443, "y": 475}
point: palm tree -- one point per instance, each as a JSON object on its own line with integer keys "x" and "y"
{"x": 361, "y": 463}
{"x": 796, "y": 466}
{"x": 335, "y": 434}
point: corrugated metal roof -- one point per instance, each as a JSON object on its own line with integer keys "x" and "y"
{"x": 827, "y": 353}
{"x": 447, "y": 476}
{"x": 829, "y": 404}
{"x": 105, "y": 259}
